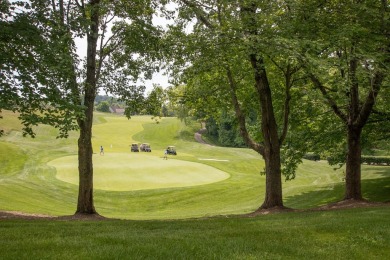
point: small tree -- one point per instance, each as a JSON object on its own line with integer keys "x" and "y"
{"x": 103, "y": 107}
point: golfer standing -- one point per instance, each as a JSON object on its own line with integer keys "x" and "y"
{"x": 101, "y": 150}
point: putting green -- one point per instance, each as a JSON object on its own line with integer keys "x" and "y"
{"x": 138, "y": 171}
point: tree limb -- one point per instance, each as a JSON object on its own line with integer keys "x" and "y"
{"x": 200, "y": 14}
{"x": 325, "y": 94}
{"x": 287, "y": 99}
{"x": 240, "y": 116}
{"x": 369, "y": 103}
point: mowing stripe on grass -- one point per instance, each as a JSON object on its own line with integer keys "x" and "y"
{"x": 215, "y": 160}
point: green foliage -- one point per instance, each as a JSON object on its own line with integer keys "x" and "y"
{"x": 47, "y": 82}
{"x": 234, "y": 52}
{"x": 109, "y": 99}
{"x": 344, "y": 45}
{"x": 312, "y": 157}
{"x": 40, "y": 65}
{"x": 103, "y": 107}
{"x": 34, "y": 81}
{"x": 133, "y": 97}
{"x": 290, "y": 159}
{"x": 177, "y": 102}
{"x": 224, "y": 130}
{"x": 376, "y": 160}
{"x": 155, "y": 100}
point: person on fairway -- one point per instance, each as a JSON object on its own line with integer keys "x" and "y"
{"x": 101, "y": 150}
{"x": 165, "y": 154}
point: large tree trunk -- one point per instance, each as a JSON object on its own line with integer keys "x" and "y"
{"x": 273, "y": 189}
{"x": 353, "y": 165}
{"x": 273, "y": 193}
{"x": 270, "y": 150}
{"x": 85, "y": 203}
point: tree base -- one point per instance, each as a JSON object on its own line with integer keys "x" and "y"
{"x": 265, "y": 211}
{"x": 86, "y": 216}
{"x": 350, "y": 203}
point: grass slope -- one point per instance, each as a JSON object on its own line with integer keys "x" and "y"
{"x": 28, "y": 179}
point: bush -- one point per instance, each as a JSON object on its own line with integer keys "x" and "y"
{"x": 376, "y": 160}
{"x": 103, "y": 107}
{"x": 312, "y": 157}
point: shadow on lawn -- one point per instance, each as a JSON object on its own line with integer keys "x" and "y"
{"x": 374, "y": 190}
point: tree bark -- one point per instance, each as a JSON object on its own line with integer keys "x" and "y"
{"x": 273, "y": 187}
{"x": 273, "y": 192}
{"x": 353, "y": 165}
{"x": 85, "y": 204}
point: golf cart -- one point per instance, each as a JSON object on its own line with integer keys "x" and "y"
{"x": 171, "y": 150}
{"x": 134, "y": 147}
{"x": 145, "y": 148}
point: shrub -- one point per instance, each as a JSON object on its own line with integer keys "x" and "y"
{"x": 103, "y": 107}
{"x": 312, "y": 157}
{"x": 376, "y": 160}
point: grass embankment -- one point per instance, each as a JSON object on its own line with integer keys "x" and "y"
{"x": 346, "y": 234}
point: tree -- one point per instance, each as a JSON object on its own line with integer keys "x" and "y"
{"x": 103, "y": 107}
{"x": 346, "y": 56}
{"x": 228, "y": 132}
{"x": 113, "y": 61}
{"x": 33, "y": 82}
{"x": 233, "y": 48}
{"x": 155, "y": 100}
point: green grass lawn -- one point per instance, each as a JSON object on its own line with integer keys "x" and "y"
{"x": 40, "y": 175}
{"x": 168, "y": 208}
{"x": 343, "y": 234}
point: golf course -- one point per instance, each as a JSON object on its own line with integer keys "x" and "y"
{"x": 193, "y": 205}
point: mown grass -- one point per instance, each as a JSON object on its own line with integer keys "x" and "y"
{"x": 31, "y": 185}
{"x": 138, "y": 171}
{"x": 165, "y": 228}
{"x": 343, "y": 234}
{"x": 12, "y": 159}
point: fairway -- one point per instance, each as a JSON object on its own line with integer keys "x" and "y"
{"x": 138, "y": 171}
{"x": 40, "y": 175}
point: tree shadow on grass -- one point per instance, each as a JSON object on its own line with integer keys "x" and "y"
{"x": 374, "y": 190}
{"x": 378, "y": 188}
